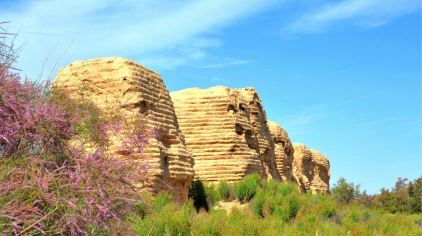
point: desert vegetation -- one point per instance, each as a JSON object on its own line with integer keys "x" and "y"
{"x": 58, "y": 177}
{"x": 262, "y": 207}
{"x": 49, "y": 182}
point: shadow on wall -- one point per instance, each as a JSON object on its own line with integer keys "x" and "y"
{"x": 197, "y": 194}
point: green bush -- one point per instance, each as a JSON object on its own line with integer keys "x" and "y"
{"x": 210, "y": 224}
{"x": 284, "y": 208}
{"x": 212, "y": 195}
{"x": 328, "y": 210}
{"x": 404, "y": 197}
{"x": 245, "y": 189}
{"x": 162, "y": 199}
{"x": 276, "y": 199}
{"x": 224, "y": 190}
{"x": 242, "y": 223}
{"x": 294, "y": 206}
{"x": 141, "y": 210}
{"x": 277, "y": 209}
{"x": 170, "y": 220}
{"x": 345, "y": 192}
{"x": 287, "y": 188}
{"x": 258, "y": 202}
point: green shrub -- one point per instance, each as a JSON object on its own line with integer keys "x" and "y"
{"x": 245, "y": 189}
{"x": 294, "y": 206}
{"x": 278, "y": 209}
{"x": 287, "y": 188}
{"x": 271, "y": 186}
{"x": 141, "y": 210}
{"x": 224, "y": 190}
{"x": 210, "y": 224}
{"x": 345, "y": 192}
{"x": 258, "y": 202}
{"x": 415, "y": 192}
{"x": 286, "y": 209}
{"x": 212, "y": 195}
{"x": 404, "y": 197}
{"x": 328, "y": 211}
{"x": 162, "y": 199}
{"x": 278, "y": 199}
{"x": 170, "y": 220}
{"x": 242, "y": 223}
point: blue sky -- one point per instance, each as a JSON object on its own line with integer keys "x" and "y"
{"x": 343, "y": 77}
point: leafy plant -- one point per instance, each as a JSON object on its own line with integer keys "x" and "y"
{"x": 277, "y": 211}
{"x": 161, "y": 200}
{"x": 212, "y": 195}
{"x": 345, "y": 192}
{"x": 246, "y": 189}
{"x": 224, "y": 190}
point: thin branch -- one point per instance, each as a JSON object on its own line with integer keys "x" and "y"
{"x": 36, "y": 222}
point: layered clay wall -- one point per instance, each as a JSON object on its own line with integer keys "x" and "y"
{"x": 258, "y": 119}
{"x": 302, "y": 166}
{"x": 283, "y": 151}
{"x": 227, "y": 133}
{"x": 311, "y": 169}
{"x": 218, "y": 132}
{"x": 321, "y": 178}
{"x": 118, "y": 84}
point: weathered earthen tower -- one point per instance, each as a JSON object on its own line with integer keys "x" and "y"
{"x": 302, "y": 166}
{"x": 283, "y": 150}
{"x": 118, "y": 83}
{"x": 226, "y": 131}
{"x": 311, "y": 169}
{"x": 258, "y": 119}
{"x": 321, "y": 179}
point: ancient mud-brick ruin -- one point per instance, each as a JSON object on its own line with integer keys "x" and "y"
{"x": 223, "y": 134}
{"x": 119, "y": 84}
{"x": 302, "y": 166}
{"x": 226, "y": 131}
{"x": 218, "y": 132}
{"x": 283, "y": 150}
{"x": 258, "y": 119}
{"x": 310, "y": 169}
{"x": 321, "y": 178}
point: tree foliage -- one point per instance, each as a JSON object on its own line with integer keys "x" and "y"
{"x": 345, "y": 192}
{"x": 405, "y": 196}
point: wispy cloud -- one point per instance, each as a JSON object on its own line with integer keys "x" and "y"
{"x": 363, "y": 13}
{"x": 305, "y": 118}
{"x": 158, "y": 32}
{"x": 227, "y": 64}
{"x": 311, "y": 120}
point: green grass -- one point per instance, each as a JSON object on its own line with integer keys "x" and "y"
{"x": 273, "y": 208}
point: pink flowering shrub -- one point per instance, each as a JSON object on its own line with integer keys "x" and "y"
{"x": 91, "y": 194}
{"x": 49, "y": 185}
{"x": 29, "y": 120}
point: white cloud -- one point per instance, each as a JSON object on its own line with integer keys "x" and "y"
{"x": 306, "y": 118}
{"x": 160, "y": 33}
{"x": 364, "y": 13}
{"x": 227, "y": 64}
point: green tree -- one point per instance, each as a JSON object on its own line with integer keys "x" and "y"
{"x": 345, "y": 192}
{"x": 415, "y": 193}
